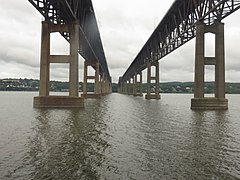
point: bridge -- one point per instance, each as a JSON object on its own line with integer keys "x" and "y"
{"x": 75, "y": 20}
{"x": 185, "y": 20}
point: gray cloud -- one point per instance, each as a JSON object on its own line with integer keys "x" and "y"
{"x": 124, "y": 25}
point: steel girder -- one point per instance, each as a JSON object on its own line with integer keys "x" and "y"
{"x": 178, "y": 27}
{"x": 67, "y": 11}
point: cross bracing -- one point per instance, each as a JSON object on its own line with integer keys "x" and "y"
{"x": 177, "y": 28}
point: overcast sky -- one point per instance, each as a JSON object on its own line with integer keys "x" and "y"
{"x": 125, "y": 26}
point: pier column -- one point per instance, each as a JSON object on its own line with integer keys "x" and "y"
{"x": 219, "y": 101}
{"x": 120, "y": 88}
{"x": 85, "y": 78}
{"x": 44, "y": 60}
{"x": 199, "y": 61}
{"x": 134, "y": 84}
{"x": 100, "y": 84}
{"x": 125, "y": 88}
{"x": 44, "y": 100}
{"x": 220, "y": 61}
{"x": 128, "y": 86}
{"x": 104, "y": 88}
{"x": 138, "y": 85}
{"x": 96, "y": 84}
{"x": 73, "y": 73}
{"x": 131, "y": 86}
{"x": 155, "y": 78}
{"x": 96, "y": 79}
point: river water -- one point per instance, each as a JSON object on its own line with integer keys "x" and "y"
{"x": 118, "y": 137}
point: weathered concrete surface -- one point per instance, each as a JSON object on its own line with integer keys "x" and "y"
{"x": 138, "y": 85}
{"x": 152, "y": 96}
{"x": 91, "y": 95}
{"x": 44, "y": 100}
{"x": 58, "y": 102}
{"x": 199, "y": 101}
{"x": 209, "y": 103}
{"x": 138, "y": 94}
{"x": 101, "y": 85}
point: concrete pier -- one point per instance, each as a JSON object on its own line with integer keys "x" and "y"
{"x": 44, "y": 100}
{"x": 106, "y": 86}
{"x": 138, "y": 84}
{"x": 125, "y": 88}
{"x": 102, "y": 86}
{"x": 153, "y": 93}
{"x": 96, "y": 78}
{"x": 219, "y": 101}
{"x": 130, "y": 86}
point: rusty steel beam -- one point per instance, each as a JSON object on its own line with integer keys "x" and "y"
{"x": 177, "y": 28}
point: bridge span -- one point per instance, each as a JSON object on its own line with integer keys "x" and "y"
{"x": 185, "y": 20}
{"x": 75, "y": 20}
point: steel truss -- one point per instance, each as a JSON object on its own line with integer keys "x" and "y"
{"x": 177, "y": 28}
{"x": 67, "y": 11}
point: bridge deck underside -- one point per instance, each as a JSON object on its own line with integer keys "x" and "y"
{"x": 68, "y": 11}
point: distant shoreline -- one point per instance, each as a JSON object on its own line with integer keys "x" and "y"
{"x": 32, "y": 85}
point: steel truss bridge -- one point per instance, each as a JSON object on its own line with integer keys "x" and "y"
{"x": 67, "y": 11}
{"x": 177, "y": 28}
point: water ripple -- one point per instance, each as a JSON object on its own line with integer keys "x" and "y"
{"x": 119, "y": 137}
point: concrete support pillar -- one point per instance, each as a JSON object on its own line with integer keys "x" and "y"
{"x": 220, "y": 61}
{"x": 74, "y": 46}
{"x": 110, "y": 87}
{"x": 85, "y": 78}
{"x": 155, "y": 94}
{"x": 97, "y": 81}
{"x": 120, "y": 88}
{"x": 128, "y": 86}
{"x": 125, "y": 88}
{"x": 103, "y": 85}
{"x": 44, "y": 100}
{"x": 96, "y": 84}
{"x": 107, "y": 86}
{"x": 100, "y": 83}
{"x": 148, "y": 80}
{"x": 134, "y": 84}
{"x": 199, "y": 61}
{"x": 138, "y": 85}
{"x": 44, "y": 60}
{"x": 219, "y": 101}
{"x": 131, "y": 86}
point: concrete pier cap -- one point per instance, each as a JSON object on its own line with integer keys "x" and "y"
{"x": 209, "y": 103}
{"x": 58, "y": 102}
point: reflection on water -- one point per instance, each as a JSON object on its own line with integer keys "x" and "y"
{"x": 68, "y": 144}
{"x": 118, "y": 137}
